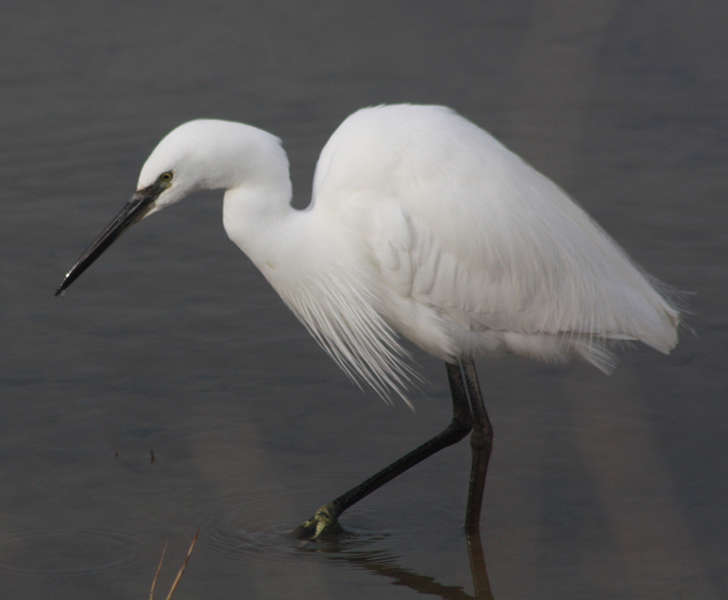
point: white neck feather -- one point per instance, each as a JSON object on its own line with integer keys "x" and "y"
{"x": 320, "y": 283}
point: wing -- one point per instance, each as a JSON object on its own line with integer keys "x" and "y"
{"x": 460, "y": 224}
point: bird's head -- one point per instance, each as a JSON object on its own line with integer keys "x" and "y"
{"x": 199, "y": 154}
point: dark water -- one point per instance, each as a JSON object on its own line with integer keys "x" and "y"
{"x": 599, "y": 487}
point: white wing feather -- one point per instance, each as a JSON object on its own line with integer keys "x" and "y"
{"x": 463, "y": 234}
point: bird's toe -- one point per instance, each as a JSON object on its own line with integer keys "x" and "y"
{"x": 323, "y": 525}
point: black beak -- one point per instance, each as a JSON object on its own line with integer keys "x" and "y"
{"x": 134, "y": 210}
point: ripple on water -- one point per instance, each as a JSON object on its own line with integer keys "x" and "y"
{"x": 238, "y": 541}
{"x": 66, "y": 552}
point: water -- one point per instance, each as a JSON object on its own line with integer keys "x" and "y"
{"x": 173, "y": 344}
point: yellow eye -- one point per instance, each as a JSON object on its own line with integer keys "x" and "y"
{"x": 166, "y": 177}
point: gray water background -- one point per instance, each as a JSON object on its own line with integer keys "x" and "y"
{"x": 599, "y": 487}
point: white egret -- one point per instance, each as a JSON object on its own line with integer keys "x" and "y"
{"x": 421, "y": 224}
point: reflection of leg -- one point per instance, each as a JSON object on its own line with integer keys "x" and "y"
{"x": 325, "y": 521}
{"x": 384, "y": 563}
{"x": 481, "y": 583}
{"x": 481, "y": 443}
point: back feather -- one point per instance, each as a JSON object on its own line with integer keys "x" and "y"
{"x": 485, "y": 240}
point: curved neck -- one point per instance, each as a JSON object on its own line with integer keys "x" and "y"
{"x": 256, "y": 218}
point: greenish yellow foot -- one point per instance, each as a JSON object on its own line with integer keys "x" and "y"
{"x": 323, "y": 525}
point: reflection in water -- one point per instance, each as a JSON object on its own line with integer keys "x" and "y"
{"x": 481, "y": 583}
{"x": 384, "y": 564}
{"x": 371, "y": 552}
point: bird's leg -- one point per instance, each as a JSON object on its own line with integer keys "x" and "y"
{"x": 324, "y": 523}
{"x": 481, "y": 444}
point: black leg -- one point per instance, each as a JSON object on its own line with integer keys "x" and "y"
{"x": 325, "y": 520}
{"x": 481, "y": 443}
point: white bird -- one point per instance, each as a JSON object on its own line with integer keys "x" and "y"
{"x": 421, "y": 225}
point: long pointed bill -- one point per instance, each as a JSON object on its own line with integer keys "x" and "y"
{"x": 134, "y": 210}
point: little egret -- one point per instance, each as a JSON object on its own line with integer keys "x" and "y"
{"x": 421, "y": 224}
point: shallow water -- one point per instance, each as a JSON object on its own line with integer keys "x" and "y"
{"x": 173, "y": 345}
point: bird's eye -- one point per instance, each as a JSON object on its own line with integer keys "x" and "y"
{"x": 166, "y": 177}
